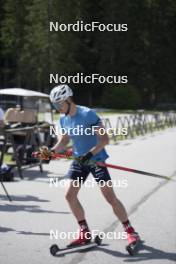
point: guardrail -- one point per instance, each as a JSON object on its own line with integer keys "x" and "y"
{"x": 139, "y": 124}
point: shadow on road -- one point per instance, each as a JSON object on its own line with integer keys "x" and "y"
{"x": 7, "y": 229}
{"x": 26, "y": 198}
{"x": 32, "y": 233}
{"x": 150, "y": 253}
{"x": 27, "y": 208}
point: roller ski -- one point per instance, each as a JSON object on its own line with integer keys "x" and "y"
{"x": 134, "y": 243}
{"x": 75, "y": 247}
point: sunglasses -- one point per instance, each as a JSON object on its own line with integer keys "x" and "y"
{"x": 58, "y": 105}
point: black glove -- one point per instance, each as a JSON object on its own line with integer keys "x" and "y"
{"x": 84, "y": 160}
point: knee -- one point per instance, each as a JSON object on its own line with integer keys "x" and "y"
{"x": 70, "y": 196}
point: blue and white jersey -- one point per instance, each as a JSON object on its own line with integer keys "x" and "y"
{"x": 79, "y": 129}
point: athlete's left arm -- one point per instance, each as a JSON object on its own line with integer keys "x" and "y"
{"x": 103, "y": 139}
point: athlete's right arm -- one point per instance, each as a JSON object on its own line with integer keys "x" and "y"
{"x": 61, "y": 144}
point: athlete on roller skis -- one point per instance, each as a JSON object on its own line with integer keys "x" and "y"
{"x": 87, "y": 148}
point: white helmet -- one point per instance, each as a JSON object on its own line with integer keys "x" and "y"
{"x": 60, "y": 93}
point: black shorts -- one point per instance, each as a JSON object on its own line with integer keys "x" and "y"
{"x": 81, "y": 172}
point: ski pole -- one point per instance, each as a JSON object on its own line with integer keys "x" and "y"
{"x": 133, "y": 170}
{"x": 102, "y": 164}
{"x": 8, "y": 196}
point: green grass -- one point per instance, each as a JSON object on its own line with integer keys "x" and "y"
{"x": 8, "y": 159}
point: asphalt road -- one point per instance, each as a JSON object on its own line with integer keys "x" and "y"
{"x": 39, "y": 208}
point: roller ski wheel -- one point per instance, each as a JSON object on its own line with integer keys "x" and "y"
{"x": 98, "y": 240}
{"x": 54, "y": 249}
{"x": 134, "y": 243}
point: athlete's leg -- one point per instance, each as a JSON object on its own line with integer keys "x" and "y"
{"x": 102, "y": 174}
{"x": 120, "y": 212}
{"x": 74, "y": 203}
{"x": 116, "y": 204}
{"x": 77, "y": 175}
